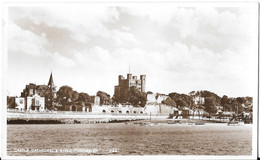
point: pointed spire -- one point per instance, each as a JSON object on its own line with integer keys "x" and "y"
{"x": 51, "y": 81}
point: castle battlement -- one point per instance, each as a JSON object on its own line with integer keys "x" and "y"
{"x": 125, "y": 84}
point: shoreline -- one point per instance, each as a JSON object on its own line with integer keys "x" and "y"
{"x": 74, "y": 118}
{"x": 126, "y": 121}
{"x": 91, "y": 118}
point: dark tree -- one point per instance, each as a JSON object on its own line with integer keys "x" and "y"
{"x": 227, "y": 107}
{"x": 137, "y": 97}
{"x": 241, "y": 100}
{"x": 66, "y": 94}
{"x": 83, "y": 97}
{"x": 182, "y": 103}
{"x": 11, "y": 102}
{"x": 249, "y": 99}
{"x": 104, "y": 97}
{"x": 210, "y": 105}
{"x": 75, "y": 96}
{"x": 224, "y": 100}
{"x": 182, "y": 100}
{"x": 169, "y": 102}
{"x": 208, "y": 94}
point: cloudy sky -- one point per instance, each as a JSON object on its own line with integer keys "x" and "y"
{"x": 179, "y": 49}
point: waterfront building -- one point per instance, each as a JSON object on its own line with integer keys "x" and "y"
{"x": 37, "y": 97}
{"x": 198, "y": 112}
{"x": 95, "y": 100}
{"x": 78, "y": 107}
{"x": 155, "y": 106}
{"x": 199, "y": 100}
{"x": 30, "y": 103}
{"x": 186, "y": 112}
{"x": 20, "y": 103}
{"x": 124, "y": 84}
{"x": 30, "y": 90}
{"x": 160, "y": 109}
{"x": 156, "y": 98}
{"x": 35, "y": 103}
{"x": 118, "y": 109}
{"x": 30, "y": 99}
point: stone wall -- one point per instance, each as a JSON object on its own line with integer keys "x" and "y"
{"x": 120, "y": 109}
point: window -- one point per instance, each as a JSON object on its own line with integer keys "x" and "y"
{"x": 21, "y": 101}
{"x": 37, "y": 102}
{"x": 31, "y": 91}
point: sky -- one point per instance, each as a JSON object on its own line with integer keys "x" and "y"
{"x": 178, "y": 48}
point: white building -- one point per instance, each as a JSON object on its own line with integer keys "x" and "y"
{"x": 199, "y": 100}
{"x": 35, "y": 102}
{"x": 96, "y": 100}
{"x": 20, "y": 103}
{"x": 30, "y": 103}
{"x": 155, "y": 109}
{"x": 156, "y": 98}
{"x": 154, "y": 105}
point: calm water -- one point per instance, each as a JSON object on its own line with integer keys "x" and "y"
{"x": 122, "y": 139}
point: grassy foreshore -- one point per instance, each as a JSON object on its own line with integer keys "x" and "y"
{"x": 88, "y": 118}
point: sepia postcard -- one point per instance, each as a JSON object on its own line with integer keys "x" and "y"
{"x": 129, "y": 80}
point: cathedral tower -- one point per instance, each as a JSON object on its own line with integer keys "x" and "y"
{"x": 52, "y": 89}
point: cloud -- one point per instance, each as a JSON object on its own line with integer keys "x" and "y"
{"x": 204, "y": 27}
{"x": 124, "y": 38}
{"x": 27, "y": 42}
{"x": 160, "y": 14}
{"x": 24, "y": 41}
{"x": 179, "y": 48}
{"x": 62, "y": 61}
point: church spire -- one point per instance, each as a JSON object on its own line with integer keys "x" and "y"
{"x": 51, "y": 81}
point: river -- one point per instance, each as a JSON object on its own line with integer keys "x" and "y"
{"x": 128, "y": 139}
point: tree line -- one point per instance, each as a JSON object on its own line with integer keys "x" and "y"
{"x": 134, "y": 97}
{"x": 210, "y": 103}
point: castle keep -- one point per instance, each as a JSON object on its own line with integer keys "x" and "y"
{"x": 126, "y": 84}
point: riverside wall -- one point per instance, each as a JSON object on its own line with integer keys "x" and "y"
{"x": 74, "y": 117}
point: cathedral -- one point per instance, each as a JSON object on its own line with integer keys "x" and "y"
{"x": 37, "y": 97}
{"x": 52, "y": 93}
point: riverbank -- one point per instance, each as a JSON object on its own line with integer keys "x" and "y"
{"x": 89, "y": 118}
{"x": 66, "y": 121}
{"x": 72, "y": 118}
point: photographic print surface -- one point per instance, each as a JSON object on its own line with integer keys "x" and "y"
{"x": 131, "y": 79}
